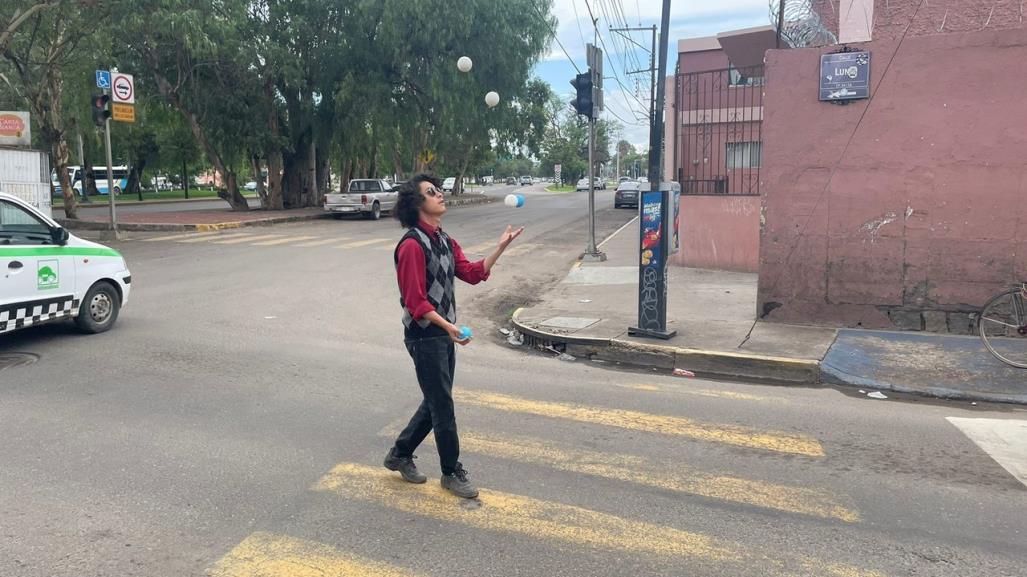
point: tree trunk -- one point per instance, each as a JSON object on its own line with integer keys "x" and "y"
{"x": 345, "y": 175}
{"x": 458, "y": 186}
{"x": 274, "y": 180}
{"x": 229, "y": 194}
{"x": 134, "y": 177}
{"x": 59, "y": 152}
{"x": 261, "y": 189}
{"x": 311, "y": 188}
{"x": 232, "y": 194}
{"x": 185, "y": 179}
{"x": 397, "y": 164}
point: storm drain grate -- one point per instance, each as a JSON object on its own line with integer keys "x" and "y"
{"x": 12, "y": 360}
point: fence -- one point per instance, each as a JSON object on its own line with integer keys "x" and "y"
{"x": 718, "y": 120}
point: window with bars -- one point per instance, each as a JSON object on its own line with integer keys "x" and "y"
{"x": 743, "y": 154}
{"x": 738, "y": 77}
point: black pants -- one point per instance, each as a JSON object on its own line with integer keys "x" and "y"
{"x": 434, "y": 361}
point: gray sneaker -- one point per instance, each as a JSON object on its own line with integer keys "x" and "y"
{"x": 405, "y": 466}
{"x": 458, "y": 484}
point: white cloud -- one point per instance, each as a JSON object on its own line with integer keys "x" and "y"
{"x": 687, "y": 19}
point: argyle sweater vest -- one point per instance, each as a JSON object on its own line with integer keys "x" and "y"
{"x": 440, "y": 272}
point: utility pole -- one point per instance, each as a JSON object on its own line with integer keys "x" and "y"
{"x": 651, "y": 71}
{"x": 589, "y": 103}
{"x": 657, "y": 207}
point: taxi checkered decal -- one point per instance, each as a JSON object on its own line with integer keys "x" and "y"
{"x": 18, "y": 315}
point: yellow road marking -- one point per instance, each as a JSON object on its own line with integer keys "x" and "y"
{"x": 239, "y": 239}
{"x": 703, "y": 393}
{"x": 522, "y": 249}
{"x": 480, "y": 248}
{"x": 180, "y": 236}
{"x": 285, "y": 240}
{"x": 781, "y": 442}
{"x": 639, "y": 470}
{"x": 196, "y": 239}
{"x": 505, "y": 512}
{"x": 549, "y": 521}
{"x": 360, "y": 243}
{"x": 322, "y": 242}
{"x": 269, "y": 555}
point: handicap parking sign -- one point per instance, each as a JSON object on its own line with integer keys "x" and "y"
{"x": 103, "y": 79}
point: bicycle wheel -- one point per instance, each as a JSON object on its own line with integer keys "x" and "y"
{"x": 1003, "y": 327}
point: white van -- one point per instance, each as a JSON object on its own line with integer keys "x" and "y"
{"x": 47, "y": 274}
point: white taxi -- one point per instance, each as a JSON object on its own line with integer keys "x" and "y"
{"x": 48, "y": 274}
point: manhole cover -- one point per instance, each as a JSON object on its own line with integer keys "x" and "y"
{"x": 11, "y": 360}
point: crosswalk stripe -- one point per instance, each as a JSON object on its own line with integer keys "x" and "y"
{"x": 322, "y": 242}
{"x": 522, "y": 249}
{"x": 239, "y": 239}
{"x": 703, "y": 393}
{"x": 360, "y": 243}
{"x": 780, "y": 442}
{"x": 285, "y": 240}
{"x": 1004, "y": 440}
{"x": 550, "y": 521}
{"x": 480, "y": 248}
{"x": 270, "y": 555}
{"x": 632, "y": 469}
{"x": 510, "y": 513}
{"x": 198, "y": 239}
{"x": 180, "y": 236}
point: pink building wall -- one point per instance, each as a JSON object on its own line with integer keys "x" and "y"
{"x": 907, "y": 210}
{"x": 719, "y": 232}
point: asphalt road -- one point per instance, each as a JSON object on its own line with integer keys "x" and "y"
{"x": 234, "y": 422}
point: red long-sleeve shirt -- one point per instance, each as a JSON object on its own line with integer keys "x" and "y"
{"x": 410, "y": 270}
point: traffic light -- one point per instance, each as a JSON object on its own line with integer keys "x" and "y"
{"x": 583, "y": 103}
{"x": 101, "y": 108}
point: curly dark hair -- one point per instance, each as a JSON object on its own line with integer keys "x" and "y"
{"x": 408, "y": 203}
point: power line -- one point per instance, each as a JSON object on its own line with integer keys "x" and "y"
{"x": 556, "y": 36}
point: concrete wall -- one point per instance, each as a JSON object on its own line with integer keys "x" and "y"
{"x": 719, "y": 232}
{"x": 907, "y": 210}
{"x": 891, "y": 18}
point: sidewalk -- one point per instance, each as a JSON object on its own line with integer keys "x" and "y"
{"x": 211, "y": 220}
{"x": 589, "y": 312}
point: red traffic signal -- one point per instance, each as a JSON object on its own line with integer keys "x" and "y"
{"x": 101, "y": 108}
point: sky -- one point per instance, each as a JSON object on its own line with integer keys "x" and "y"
{"x": 624, "y": 101}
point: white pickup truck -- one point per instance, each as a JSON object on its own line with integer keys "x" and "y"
{"x": 368, "y": 196}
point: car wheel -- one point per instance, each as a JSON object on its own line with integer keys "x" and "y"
{"x": 99, "y": 309}
{"x": 376, "y": 212}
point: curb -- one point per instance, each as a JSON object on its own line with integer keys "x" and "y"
{"x": 833, "y": 376}
{"x": 703, "y": 363}
{"x": 464, "y": 201}
{"x": 103, "y": 203}
{"x": 79, "y": 224}
{"x": 179, "y": 227}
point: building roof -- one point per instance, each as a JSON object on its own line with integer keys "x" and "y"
{"x": 744, "y": 47}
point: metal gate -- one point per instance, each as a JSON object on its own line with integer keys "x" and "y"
{"x": 718, "y": 131}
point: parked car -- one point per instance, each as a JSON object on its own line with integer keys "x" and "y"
{"x": 368, "y": 196}
{"x": 525, "y": 180}
{"x": 511, "y": 180}
{"x": 582, "y": 184}
{"x": 627, "y": 194}
{"x": 449, "y": 184}
{"x": 624, "y": 179}
{"x": 52, "y": 274}
{"x": 251, "y": 185}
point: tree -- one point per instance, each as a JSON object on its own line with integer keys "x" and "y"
{"x": 39, "y": 44}
{"x": 195, "y": 58}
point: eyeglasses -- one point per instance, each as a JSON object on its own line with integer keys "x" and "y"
{"x": 433, "y": 192}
